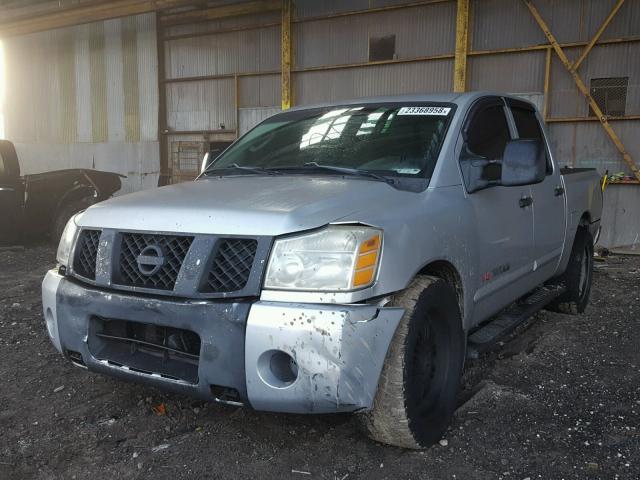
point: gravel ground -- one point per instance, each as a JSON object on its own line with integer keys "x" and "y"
{"x": 561, "y": 399}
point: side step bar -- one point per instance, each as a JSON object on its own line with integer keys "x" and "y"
{"x": 486, "y": 336}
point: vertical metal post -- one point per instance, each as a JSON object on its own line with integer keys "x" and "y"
{"x": 165, "y": 169}
{"x": 547, "y": 81}
{"x": 236, "y": 103}
{"x": 462, "y": 46}
{"x": 285, "y": 55}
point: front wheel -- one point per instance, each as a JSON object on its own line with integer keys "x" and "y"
{"x": 421, "y": 376}
{"x": 64, "y": 214}
{"x": 577, "y": 277}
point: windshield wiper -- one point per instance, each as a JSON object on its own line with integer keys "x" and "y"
{"x": 248, "y": 168}
{"x": 351, "y": 171}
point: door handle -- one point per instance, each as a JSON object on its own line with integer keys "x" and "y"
{"x": 559, "y": 190}
{"x": 525, "y": 202}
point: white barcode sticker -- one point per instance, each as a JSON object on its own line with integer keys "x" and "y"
{"x": 424, "y": 111}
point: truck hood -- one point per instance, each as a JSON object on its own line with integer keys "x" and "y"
{"x": 243, "y": 205}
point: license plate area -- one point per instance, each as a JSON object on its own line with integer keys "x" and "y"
{"x": 146, "y": 348}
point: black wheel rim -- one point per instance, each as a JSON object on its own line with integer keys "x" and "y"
{"x": 428, "y": 367}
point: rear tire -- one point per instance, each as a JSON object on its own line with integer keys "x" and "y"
{"x": 417, "y": 391}
{"x": 577, "y": 277}
{"x": 64, "y": 214}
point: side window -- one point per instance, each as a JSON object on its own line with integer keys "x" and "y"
{"x": 528, "y": 127}
{"x": 1, "y": 166}
{"x": 488, "y": 133}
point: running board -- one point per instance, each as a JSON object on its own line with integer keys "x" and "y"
{"x": 489, "y": 334}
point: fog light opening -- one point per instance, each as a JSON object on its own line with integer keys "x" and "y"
{"x": 277, "y": 369}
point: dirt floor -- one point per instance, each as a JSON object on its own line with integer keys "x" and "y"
{"x": 561, "y": 399}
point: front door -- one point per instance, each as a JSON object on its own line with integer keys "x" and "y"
{"x": 11, "y": 195}
{"x": 548, "y": 198}
{"x": 504, "y": 236}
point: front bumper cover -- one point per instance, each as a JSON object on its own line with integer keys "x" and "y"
{"x": 337, "y": 351}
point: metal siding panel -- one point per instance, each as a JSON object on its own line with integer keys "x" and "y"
{"x": 223, "y": 23}
{"x": 503, "y": 24}
{"x": 587, "y": 145}
{"x": 83, "y": 85}
{"x": 419, "y": 31}
{"x": 203, "y": 105}
{"x": 625, "y": 23}
{"x": 250, "y": 117}
{"x": 224, "y": 53}
{"x": 521, "y": 72}
{"x": 68, "y": 74}
{"x": 418, "y": 77}
{"x": 147, "y": 77}
{"x": 564, "y": 98}
{"x": 259, "y": 91}
{"x": 313, "y": 8}
{"x": 114, "y": 80}
{"x": 130, "y": 79}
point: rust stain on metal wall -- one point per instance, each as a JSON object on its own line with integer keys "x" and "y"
{"x": 130, "y": 79}
{"x": 98, "y": 83}
{"x": 67, "y": 80}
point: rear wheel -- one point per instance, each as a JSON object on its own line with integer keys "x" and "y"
{"x": 419, "y": 383}
{"x": 577, "y": 277}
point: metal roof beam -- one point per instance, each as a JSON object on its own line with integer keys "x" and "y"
{"x": 81, "y": 13}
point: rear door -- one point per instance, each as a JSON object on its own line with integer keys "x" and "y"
{"x": 11, "y": 194}
{"x": 548, "y": 197}
{"x": 504, "y": 239}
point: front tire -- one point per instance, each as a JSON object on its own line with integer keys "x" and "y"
{"x": 577, "y": 277}
{"x": 64, "y": 214}
{"x": 417, "y": 391}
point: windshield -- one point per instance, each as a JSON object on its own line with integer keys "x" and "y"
{"x": 395, "y": 140}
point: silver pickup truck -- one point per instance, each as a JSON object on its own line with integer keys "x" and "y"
{"x": 343, "y": 257}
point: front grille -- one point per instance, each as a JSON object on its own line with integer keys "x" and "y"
{"x": 173, "y": 248}
{"x": 86, "y": 254}
{"x": 231, "y": 265}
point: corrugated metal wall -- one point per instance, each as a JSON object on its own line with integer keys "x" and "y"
{"x": 86, "y": 96}
{"x": 89, "y": 94}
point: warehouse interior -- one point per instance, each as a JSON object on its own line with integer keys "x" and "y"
{"x": 145, "y": 88}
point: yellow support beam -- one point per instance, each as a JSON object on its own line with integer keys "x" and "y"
{"x": 583, "y": 89}
{"x": 547, "y": 82}
{"x": 596, "y": 37}
{"x": 285, "y": 56}
{"x": 462, "y": 46}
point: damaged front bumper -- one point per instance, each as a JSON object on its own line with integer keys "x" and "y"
{"x": 274, "y": 356}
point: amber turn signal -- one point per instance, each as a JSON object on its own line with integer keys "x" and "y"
{"x": 367, "y": 262}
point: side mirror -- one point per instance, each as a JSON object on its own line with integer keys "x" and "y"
{"x": 477, "y": 171}
{"x": 523, "y": 163}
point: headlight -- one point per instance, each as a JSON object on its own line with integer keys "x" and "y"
{"x": 336, "y": 258}
{"x": 66, "y": 241}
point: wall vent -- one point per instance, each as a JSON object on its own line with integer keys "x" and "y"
{"x": 610, "y": 94}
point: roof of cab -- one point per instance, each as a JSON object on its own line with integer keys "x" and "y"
{"x": 459, "y": 99}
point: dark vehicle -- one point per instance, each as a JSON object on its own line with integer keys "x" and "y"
{"x": 41, "y": 204}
